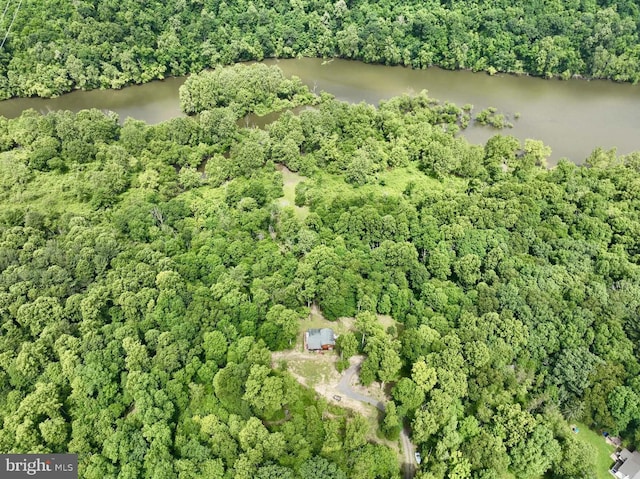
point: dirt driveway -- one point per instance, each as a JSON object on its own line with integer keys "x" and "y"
{"x": 318, "y": 371}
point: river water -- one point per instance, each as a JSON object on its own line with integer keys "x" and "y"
{"x": 152, "y": 102}
{"x": 572, "y": 117}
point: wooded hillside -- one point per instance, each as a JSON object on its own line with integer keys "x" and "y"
{"x": 146, "y": 272}
{"x": 55, "y": 46}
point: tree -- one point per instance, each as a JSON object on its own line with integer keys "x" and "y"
{"x": 408, "y": 394}
{"x": 189, "y": 178}
{"x": 228, "y": 384}
{"x": 486, "y": 452}
{"x": 263, "y": 391}
{"x": 534, "y": 156}
{"x": 249, "y": 155}
{"x": 418, "y": 343}
{"x": 361, "y": 169}
{"x": 217, "y": 125}
{"x": 467, "y": 269}
{"x": 425, "y": 377}
{"x": 242, "y": 88}
{"x": 37, "y": 315}
{"x": 577, "y": 460}
{"x": 137, "y": 355}
{"x": 439, "y": 261}
{"x": 573, "y": 368}
{"x": 424, "y": 425}
{"x": 624, "y": 404}
{"x": 356, "y": 433}
{"x": 367, "y": 323}
{"x": 319, "y": 468}
{"x": 253, "y": 435}
{"x": 347, "y": 345}
{"x": 215, "y": 346}
{"x": 501, "y": 149}
{"x": 391, "y": 426}
{"x": 315, "y": 432}
{"x": 333, "y": 441}
{"x": 533, "y": 456}
{"x": 390, "y": 365}
{"x": 373, "y": 461}
{"x": 280, "y": 327}
{"x": 274, "y": 471}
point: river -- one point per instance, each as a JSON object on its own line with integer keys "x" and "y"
{"x": 572, "y": 117}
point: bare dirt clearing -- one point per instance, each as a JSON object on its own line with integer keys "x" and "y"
{"x": 318, "y": 371}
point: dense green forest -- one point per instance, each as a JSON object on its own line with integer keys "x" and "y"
{"x": 55, "y": 46}
{"x": 147, "y": 272}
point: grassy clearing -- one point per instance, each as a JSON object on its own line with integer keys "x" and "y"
{"x": 48, "y": 192}
{"x": 395, "y": 180}
{"x": 291, "y": 180}
{"x": 604, "y": 450}
{"x": 314, "y": 372}
{"x": 318, "y": 372}
{"x": 391, "y": 182}
{"x": 317, "y": 321}
{"x": 387, "y": 321}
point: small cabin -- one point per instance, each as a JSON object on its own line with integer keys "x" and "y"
{"x": 319, "y": 339}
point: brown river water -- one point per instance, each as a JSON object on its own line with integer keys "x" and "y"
{"x": 572, "y": 117}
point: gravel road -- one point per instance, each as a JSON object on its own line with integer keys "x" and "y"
{"x": 408, "y": 449}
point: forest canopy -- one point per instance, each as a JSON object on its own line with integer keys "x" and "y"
{"x": 56, "y": 46}
{"x": 148, "y": 272}
{"x": 258, "y": 88}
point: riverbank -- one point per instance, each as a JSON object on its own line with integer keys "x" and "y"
{"x": 573, "y": 117}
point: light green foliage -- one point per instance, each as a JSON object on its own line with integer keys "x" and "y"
{"x": 243, "y": 89}
{"x": 215, "y": 346}
{"x": 264, "y": 392}
{"x": 534, "y": 455}
{"x": 624, "y": 404}
{"x": 577, "y": 460}
{"x": 467, "y": 269}
{"x": 360, "y": 170}
{"x": 356, "y": 433}
{"x": 373, "y": 461}
{"x": 536, "y": 151}
{"x": 368, "y": 325}
{"x": 347, "y": 345}
{"x": 392, "y": 425}
{"x": 140, "y": 301}
{"x": 408, "y": 394}
{"x": 424, "y": 376}
{"x": 280, "y": 327}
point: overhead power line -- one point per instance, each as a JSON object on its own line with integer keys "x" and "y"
{"x": 6, "y": 7}
{"x": 15, "y": 14}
